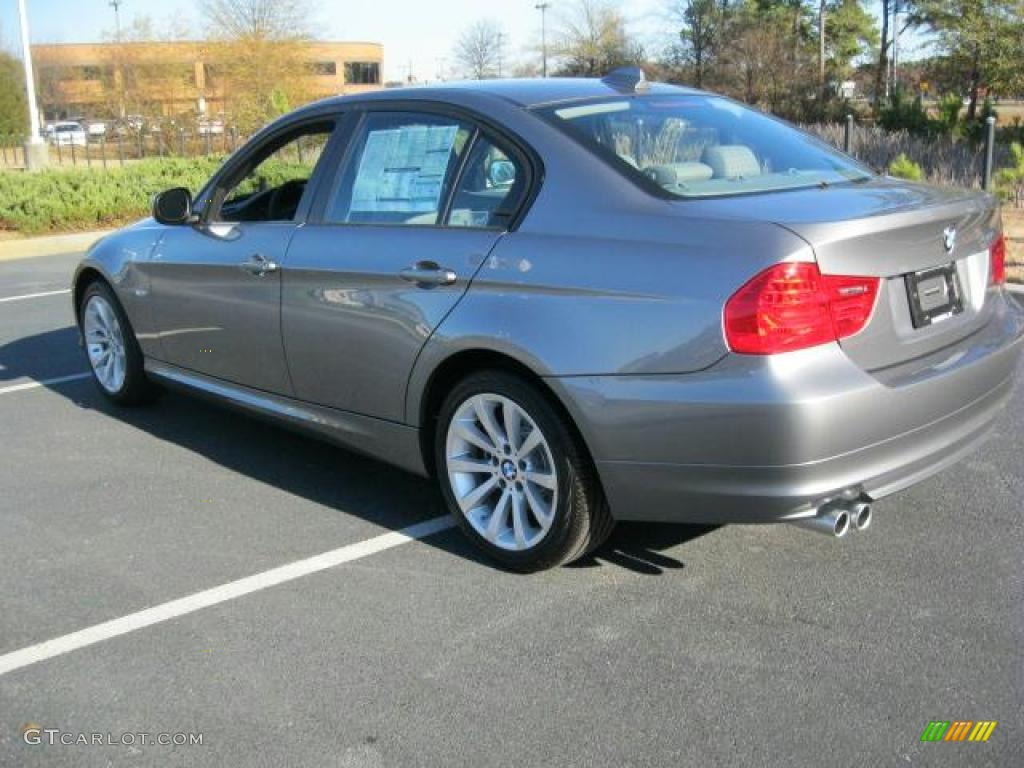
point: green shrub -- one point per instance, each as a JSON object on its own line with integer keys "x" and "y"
{"x": 903, "y": 114}
{"x": 82, "y": 199}
{"x": 1010, "y": 181}
{"x": 905, "y": 168}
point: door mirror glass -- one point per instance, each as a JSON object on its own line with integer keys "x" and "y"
{"x": 501, "y": 173}
{"x": 173, "y": 206}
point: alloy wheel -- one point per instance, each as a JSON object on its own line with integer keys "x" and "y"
{"x": 104, "y": 342}
{"x": 501, "y": 471}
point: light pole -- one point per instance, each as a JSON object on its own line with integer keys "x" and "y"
{"x": 116, "y": 5}
{"x": 543, "y": 8}
{"x": 119, "y": 70}
{"x": 35, "y": 150}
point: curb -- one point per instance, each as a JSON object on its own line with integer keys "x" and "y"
{"x": 53, "y": 245}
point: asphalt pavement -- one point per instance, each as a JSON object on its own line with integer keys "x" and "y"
{"x": 673, "y": 646}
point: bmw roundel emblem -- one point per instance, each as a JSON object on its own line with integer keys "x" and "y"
{"x": 949, "y": 238}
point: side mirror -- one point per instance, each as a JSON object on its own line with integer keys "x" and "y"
{"x": 173, "y": 206}
{"x": 501, "y": 173}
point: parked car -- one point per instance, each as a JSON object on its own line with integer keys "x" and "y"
{"x": 210, "y": 126}
{"x": 96, "y": 128}
{"x": 66, "y": 133}
{"x": 129, "y": 125}
{"x": 573, "y": 302}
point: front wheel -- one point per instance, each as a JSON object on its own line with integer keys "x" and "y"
{"x": 114, "y": 355}
{"x": 514, "y": 475}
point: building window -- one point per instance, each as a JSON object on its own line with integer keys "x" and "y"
{"x": 324, "y": 68}
{"x": 90, "y": 72}
{"x": 213, "y": 75}
{"x": 362, "y": 72}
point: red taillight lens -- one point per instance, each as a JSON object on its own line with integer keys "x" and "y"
{"x": 792, "y": 306}
{"x": 997, "y": 260}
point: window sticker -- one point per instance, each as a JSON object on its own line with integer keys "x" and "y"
{"x": 403, "y": 169}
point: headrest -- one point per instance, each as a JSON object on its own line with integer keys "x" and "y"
{"x": 732, "y": 161}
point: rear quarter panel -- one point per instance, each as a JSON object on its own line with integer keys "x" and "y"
{"x": 627, "y": 295}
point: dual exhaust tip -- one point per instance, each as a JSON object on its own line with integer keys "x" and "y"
{"x": 838, "y": 518}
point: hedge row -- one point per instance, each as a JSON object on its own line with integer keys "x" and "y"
{"x": 67, "y": 200}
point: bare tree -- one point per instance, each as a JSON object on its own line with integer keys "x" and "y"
{"x": 478, "y": 51}
{"x": 257, "y": 62}
{"x": 593, "y": 39}
{"x": 277, "y": 20}
{"x": 140, "y": 78}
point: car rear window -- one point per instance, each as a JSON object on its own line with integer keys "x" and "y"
{"x": 695, "y": 145}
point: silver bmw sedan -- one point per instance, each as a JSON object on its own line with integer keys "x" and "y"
{"x": 573, "y": 302}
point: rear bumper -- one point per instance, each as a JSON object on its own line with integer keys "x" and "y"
{"x": 755, "y": 440}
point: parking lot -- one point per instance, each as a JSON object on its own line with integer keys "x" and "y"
{"x": 673, "y": 646}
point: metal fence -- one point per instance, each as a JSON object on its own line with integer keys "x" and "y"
{"x": 108, "y": 151}
{"x": 942, "y": 159}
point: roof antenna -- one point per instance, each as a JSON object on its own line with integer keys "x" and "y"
{"x": 627, "y": 80}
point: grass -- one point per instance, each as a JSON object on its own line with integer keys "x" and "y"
{"x": 1013, "y": 226}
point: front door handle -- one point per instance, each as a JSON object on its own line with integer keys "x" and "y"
{"x": 428, "y": 273}
{"x": 259, "y": 265}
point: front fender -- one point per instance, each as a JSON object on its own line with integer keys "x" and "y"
{"x": 116, "y": 259}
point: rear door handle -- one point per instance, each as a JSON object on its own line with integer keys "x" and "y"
{"x": 259, "y": 265}
{"x": 428, "y": 273}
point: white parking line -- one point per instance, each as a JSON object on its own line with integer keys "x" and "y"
{"x": 43, "y": 383}
{"x": 35, "y": 295}
{"x": 233, "y": 589}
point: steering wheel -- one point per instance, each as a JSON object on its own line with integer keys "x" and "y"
{"x": 284, "y": 200}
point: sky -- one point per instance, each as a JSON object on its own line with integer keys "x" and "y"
{"x": 416, "y": 33}
{"x": 420, "y": 31}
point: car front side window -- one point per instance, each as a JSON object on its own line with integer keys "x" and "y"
{"x": 271, "y": 184}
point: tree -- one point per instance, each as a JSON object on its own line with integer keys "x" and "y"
{"x": 850, "y": 31}
{"x": 277, "y": 20}
{"x": 13, "y": 111}
{"x": 258, "y": 60}
{"x": 982, "y": 41}
{"x": 759, "y": 56}
{"x": 136, "y": 71}
{"x": 478, "y": 51}
{"x": 882, "y": 69}
{"x": 702, "y": 24}
{"x": 593, "y": 40}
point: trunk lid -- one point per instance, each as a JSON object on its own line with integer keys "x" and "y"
{"x": 891, "y": 229}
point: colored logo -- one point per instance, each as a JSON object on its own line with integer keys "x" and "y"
{"x": 958, "y": 730}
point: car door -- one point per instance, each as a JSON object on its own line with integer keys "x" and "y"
{"x": 409, "y": 219}
{"x": 216, "y": 286}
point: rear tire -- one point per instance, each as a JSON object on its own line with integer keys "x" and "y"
{"x": 115, "y": 358}
{"x": 515, "y": 476}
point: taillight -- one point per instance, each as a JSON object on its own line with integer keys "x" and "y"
{"x": 792, "y": 306}
{"x": 997, "y": 260}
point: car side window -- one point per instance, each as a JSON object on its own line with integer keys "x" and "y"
{"x": 490, "y": 188}
{"x": 271, "y": 184}
{"x": 401, "y": 170}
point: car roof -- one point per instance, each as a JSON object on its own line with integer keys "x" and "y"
{"x": 527, "y": 93}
